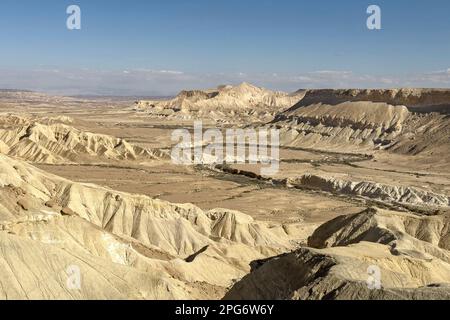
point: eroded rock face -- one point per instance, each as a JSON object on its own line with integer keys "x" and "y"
{"x": 410, "y": 252}
{"x": 372, "y": 190}
{"x": 125, "y": 246}
{"x": 409, "y": 97}
{"x": 407, "y": 121}
{"x": 51, "y": 141}
{"x": 244, "y": 102}
{"x": 424, "y": 235}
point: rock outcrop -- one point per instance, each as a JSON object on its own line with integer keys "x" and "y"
{"x": 244, "y": 102}
{"x": 375, "y": 254}
{"x": 52, "y": 142}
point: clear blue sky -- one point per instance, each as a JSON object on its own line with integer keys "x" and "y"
{"x": 278, "y": 43}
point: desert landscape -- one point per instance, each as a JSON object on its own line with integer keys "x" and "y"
{"x": 363, "y": 190}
